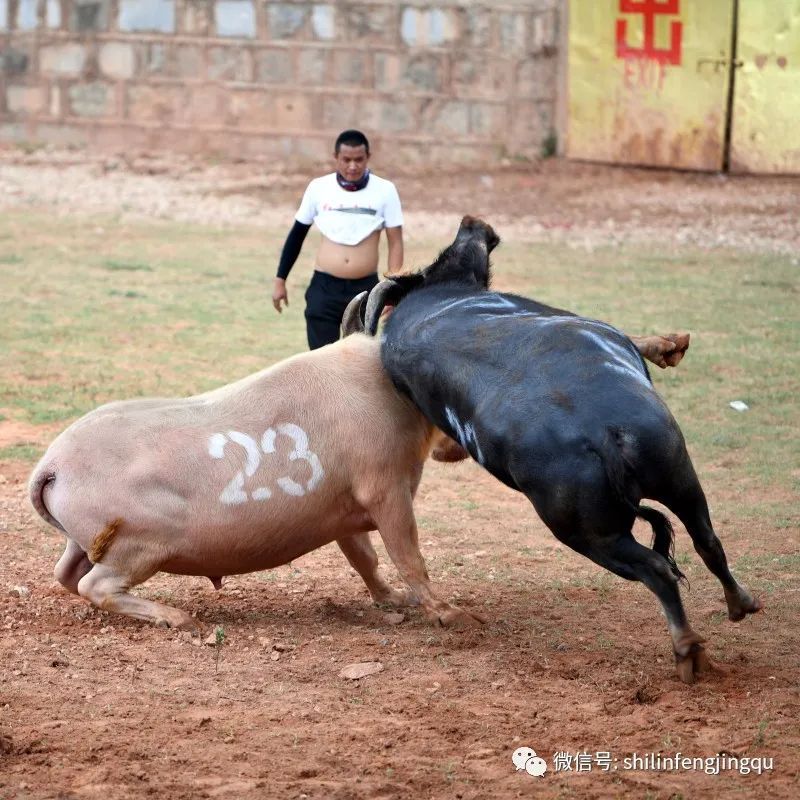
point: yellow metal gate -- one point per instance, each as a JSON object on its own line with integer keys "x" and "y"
{"x": 650, "y": 83}
{"x": 765, "y": 131}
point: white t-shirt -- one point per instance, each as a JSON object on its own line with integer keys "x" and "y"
{"x": 350, "y": 217}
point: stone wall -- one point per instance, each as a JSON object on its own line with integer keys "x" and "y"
{"x": 450, "y": 80}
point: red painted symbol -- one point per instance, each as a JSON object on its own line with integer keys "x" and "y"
{"x": 650, "y": 9}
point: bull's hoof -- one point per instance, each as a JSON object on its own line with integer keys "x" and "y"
{"x": 694, "y": 663}
{"x": 663, "y": 351}
{"x": 690, "y": 656}
{"x": 681, "y": 342}
{"x": 397, "y": 598}
{"x": 190, "y": 624}
{"x": 741, "y": 603}
{"x": 458, "y": 618}
{"x": 179, "y": 620}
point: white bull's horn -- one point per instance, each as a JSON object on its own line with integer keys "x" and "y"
{"x": 378, "y": 298}
{"x": 353, "y": 318}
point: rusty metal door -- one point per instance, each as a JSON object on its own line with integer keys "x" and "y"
{"x": 649, "y": 81}
{"x": 765, "y": 131}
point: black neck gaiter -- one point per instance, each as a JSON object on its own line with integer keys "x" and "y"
{"x": 353, "y": 186}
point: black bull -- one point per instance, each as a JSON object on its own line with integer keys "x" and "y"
{"x": 560, "y": 408}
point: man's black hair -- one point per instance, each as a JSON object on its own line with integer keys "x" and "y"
{"x": 351, "y": 138}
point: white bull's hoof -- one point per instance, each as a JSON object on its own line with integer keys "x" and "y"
{"x": 398, "y": 598}
{"x": 458, "y": 618}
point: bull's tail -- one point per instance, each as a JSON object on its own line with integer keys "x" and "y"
{"x": 663, "y": 538}
{"x": 621, "y": 477}
{"x": 42, "y": 477}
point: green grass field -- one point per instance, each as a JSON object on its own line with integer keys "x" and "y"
{"x": 95, "y": 310}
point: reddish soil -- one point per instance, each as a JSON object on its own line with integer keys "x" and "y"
{"x": 571, "y": 659}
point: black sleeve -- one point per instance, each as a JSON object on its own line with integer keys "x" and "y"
{"x": 291, "y": 249}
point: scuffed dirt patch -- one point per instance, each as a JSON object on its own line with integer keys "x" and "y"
{"x": 571, "y": 660}
{"x": 16, "y": 432}
{"x": 583, "y": 205}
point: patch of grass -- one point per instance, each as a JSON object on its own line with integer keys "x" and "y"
{"x": 126, "y": 266}
{"x": 772, "y": 572}
{"x": 10, "y": 259}
{"x": 219, "y": 640}
{"x": 97, "y": 322}
{"x": 758, "y": 739}
{"x": 21, "y": 452}
{"x": 727, "y": 440}
{"x": 603, "y": 642}
{"x": 755, "y": 562}
{"x": 604, "y": 583}
{"x": 30, "y": 147}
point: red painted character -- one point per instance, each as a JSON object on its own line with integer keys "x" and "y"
{"x": 649, "y": 9}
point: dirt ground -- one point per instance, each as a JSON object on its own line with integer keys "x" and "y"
{"x": 571, "y": 660}
{"x": 583, "y": 205}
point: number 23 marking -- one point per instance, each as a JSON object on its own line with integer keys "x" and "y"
{"x": 234, "y": 493}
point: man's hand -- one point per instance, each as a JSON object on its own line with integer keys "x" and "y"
{"x": 279, "y": 294}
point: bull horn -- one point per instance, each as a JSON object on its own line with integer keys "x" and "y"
{"x": 385, "y": 293}
{"x": 353, "y": 319}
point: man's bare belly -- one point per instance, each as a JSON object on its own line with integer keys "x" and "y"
{"x": 349, "y": 261}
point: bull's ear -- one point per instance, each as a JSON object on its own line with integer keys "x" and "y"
{"x": 470, "y": 226}
{"x": 407, "y": 283}
{"x": 492, "y": 239}
{"x": 353, "y": 318}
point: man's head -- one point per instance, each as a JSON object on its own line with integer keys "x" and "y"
{"x": 351, "y": 153}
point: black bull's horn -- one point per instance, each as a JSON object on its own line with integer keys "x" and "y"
{"x": 353, "y": 318}
{"x": 387, "y": 292}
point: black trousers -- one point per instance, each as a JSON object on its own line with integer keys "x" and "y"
{"x": 326, "y": 299}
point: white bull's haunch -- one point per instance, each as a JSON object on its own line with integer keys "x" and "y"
{"x": 315, "y": 449}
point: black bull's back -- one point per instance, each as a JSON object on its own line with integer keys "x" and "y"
{"x": 532, "y": 392}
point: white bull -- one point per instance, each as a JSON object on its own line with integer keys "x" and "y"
{"x": 250, "y": 476}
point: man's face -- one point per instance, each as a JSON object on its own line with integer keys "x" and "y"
{"x": 351, "y": 162}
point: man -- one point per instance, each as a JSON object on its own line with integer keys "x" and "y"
{"x": 350, "y": 208}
